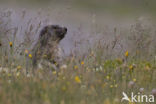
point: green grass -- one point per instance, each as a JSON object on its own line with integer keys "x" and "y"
{"x": 98, "y": 82}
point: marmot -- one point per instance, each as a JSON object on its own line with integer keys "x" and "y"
{"x": 46, "y": 50}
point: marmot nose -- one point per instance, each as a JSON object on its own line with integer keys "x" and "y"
{"x": 65, "y": 29}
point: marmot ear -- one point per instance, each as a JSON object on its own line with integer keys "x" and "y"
{"x": 43, "y": 31}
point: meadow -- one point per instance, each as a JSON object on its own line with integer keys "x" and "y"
{"x": 98, "y": 75}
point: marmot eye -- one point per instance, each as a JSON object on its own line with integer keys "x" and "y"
{"x": 55, "y": 27}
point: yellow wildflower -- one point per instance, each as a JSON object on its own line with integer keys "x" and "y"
{"x": 147, "y": 67}
{"x": 75, "y": 67}
{"x": 134, "y": 79}
{"x": 126, "y": 54}
{"x": 54, "y": 72}
{"x": 64, "y": 88}
{"x": 77, "y": 79}
{"x": 10, "y": 43}
{"x": 131, "y": 67}
{"x": 30, "y": 56}
{"x": 82, "y": 63}
{"x": 108, "y": 77}
{"x": 111, "y": 86}
{"x": 9, "y": 75}
{"x": 56, "y": 63}
{"x": 19, "y": 67}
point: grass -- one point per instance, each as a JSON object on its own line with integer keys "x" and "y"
{"x": 79, "y": 83}
{"x": 98, "y": 76}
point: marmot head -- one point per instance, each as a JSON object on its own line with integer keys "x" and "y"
{"x": 52, "y": 33}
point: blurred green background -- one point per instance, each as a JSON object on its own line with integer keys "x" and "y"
{"x": 117, "y": 7}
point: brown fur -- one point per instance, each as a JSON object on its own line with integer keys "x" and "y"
{"x": 47, "y": 45}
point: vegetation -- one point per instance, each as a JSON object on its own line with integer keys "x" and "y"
{"x": 98, "y": 76}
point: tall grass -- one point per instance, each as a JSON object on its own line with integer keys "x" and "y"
{"x": 98, "y": 75}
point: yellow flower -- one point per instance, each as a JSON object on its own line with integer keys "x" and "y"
{"x": 108, "y": 77}
{"x": 56, "y": 63}
{"x": 10, "y": 43}
{"x": 134, "y": 79}
{"x": 9, "y": 75}
{"x": 30, "y": 56}
{"x": 82, "y": 63}
{"x": 147, "y": 67}
{"x": 54, "y": 72}
{"x": 75, "y": 67}
{"x": 77, "y": 79}
{"x": 19, "y": 67}
{"x": 111, "y": 86}
{"x": 126, "y": 54}
{"x": 64, "y": 88}
{"x": 131, "y": 67}
{"x": 116, "y": 85}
